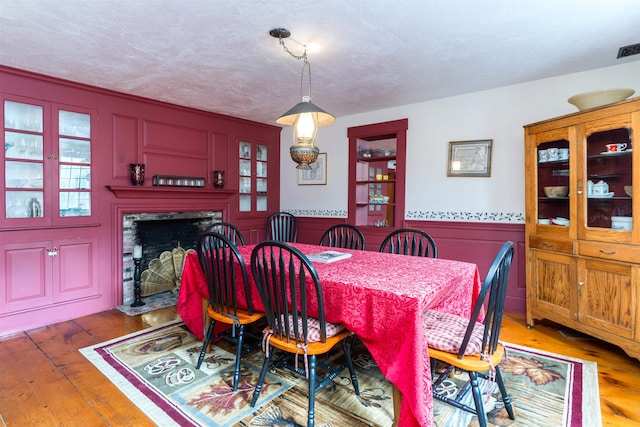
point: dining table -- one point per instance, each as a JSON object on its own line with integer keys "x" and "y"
{"x": 381, "y": 298}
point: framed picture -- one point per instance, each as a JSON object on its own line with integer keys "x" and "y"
{"x": 470, "y": 158}
{"x": 318, "y": 173}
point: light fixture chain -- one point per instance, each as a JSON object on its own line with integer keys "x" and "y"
{"x": 286, "y": 49}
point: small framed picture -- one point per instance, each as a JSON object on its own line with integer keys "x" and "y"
{"x": 317, "y": 175}
{"x": 470, "y": 158}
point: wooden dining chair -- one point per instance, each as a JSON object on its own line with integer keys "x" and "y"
{"x": 410, "y": 241}
{"x": 470, "y": 345}
{"x": 288, "y": 285}
{"x": 222, "y": 264}
{"x": 282, "y": 227}
{"x": 228, "y": 230}
{"x": 345, "y": 236}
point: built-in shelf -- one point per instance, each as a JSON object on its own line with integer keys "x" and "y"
{"x": 149, "y": 192}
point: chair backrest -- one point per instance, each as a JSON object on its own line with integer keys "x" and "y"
{"x": 228, "y": 230}
{"x": 282, "y": 227}
{"x": 288, "y": 284}
{"x": 224, "y": 270}
{"x": 343, "y": 236}
{"x": 410, "y": 241}
{"x": 491, "y": 301}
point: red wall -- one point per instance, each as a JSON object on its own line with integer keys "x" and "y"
{"x": 170, "y": 140}
{"x": 475, "y": 242}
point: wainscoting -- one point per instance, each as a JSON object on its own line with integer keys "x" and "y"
{"x": 476, "y": 242}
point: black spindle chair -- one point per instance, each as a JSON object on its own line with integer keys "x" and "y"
{"x": 288, "y": 283}
{"x": 345, "y": 236}
{"x": 470, "y": 345}
{"x": 282, "y": 227}
{"x": 224, "y": 270}
{"x": 410, "y": 241}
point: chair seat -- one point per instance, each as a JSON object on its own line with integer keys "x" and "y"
{"x": 313, "y": 328}
{"x": 472, "y": 362}
{"x": 445, "y": 331}
{"x": 243, "y": 316}
{"x": 291, "y": 345}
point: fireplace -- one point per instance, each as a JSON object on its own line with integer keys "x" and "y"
{"x": 158, "y": 232}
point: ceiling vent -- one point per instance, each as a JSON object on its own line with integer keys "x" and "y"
{"x": 632, "y": 49}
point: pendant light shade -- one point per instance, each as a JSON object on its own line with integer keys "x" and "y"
{"x": 305, "y": 117}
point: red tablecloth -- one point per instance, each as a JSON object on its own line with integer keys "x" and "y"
{"x": 380, "y": 297}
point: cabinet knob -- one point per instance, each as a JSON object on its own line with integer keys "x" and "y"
{"x": 52, "y": 253}
{"x": 549, "y": 245}
{"x": 580, "y": 283}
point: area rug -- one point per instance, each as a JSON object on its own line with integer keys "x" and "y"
{"x": 155, "y": 369}
{"x": 151, "y": 303}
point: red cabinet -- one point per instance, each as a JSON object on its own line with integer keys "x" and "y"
{"x": 38, "y": 273}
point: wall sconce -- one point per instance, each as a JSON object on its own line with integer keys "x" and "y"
{"x": 305, "y": 117}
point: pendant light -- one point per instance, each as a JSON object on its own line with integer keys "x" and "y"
{"x": 305, "y": 117}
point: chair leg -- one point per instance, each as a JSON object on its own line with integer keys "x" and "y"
{"x": 506, "y": 399}
{"x": 477, "y": 398}
{"x": 236, "y": 372}
{"x": 205, "y": 345}
{"x": 263, "y": 373}
{"x": 312, "y": 391}
{"x": 347, "y": 353}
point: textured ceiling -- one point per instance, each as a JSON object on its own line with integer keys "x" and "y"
{"x": 217, "y": 55}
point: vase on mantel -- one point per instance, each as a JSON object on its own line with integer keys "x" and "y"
{"x": 136, "y": 171}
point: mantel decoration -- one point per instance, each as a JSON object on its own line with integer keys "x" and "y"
{"x": 470, "y": 158}
{"x": 305, "y": 117}
{"x": 177, "y": 181}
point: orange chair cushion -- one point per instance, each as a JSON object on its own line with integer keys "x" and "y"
{"x": 445, "y": 332}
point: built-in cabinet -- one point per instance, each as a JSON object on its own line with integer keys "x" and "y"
{"x": 39, "y": 273}
{"x": 377, "y": 174}
{"x": 47, "y": 182}
{"x": 583, "y": 222}
{"x": 253, "y": 176}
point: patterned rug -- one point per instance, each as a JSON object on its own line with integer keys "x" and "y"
{"x": 155, "y": 369}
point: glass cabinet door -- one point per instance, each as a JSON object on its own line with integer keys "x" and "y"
{"x": 47, "y": 164}
{"x": 253, "y": 177}
{"x": 74, "y": 163}
{"x": 23, "y": 160}
{"x": 609, "y": 173}
{"x": 553, "y": 192}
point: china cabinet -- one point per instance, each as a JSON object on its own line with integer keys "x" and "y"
{"x": 376, "y": 174}
{"x": 258, "y": 183}
{"x": 49, "y": 253}
{"x": 47, "y": 164}
{"x": 582, "y": 231}
{"x": 253, "y": 176}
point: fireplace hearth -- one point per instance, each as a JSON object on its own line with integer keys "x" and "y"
{"x": 158, "y": 232}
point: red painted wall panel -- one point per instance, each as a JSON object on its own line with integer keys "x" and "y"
{"x": 475, "y": 242}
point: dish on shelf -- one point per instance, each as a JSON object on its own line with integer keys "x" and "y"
{"x": 555, "y": 192}
{"x": 602, "y": 196}
{"x": 608, "y": 153}
{"x": 628, "y": 189}
{"x": 379, "y": 200}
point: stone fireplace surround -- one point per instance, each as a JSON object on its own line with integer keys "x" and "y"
{"x": 152, "y": 249}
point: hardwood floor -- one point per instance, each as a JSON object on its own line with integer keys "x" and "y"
{"x": 45, "y": 381}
